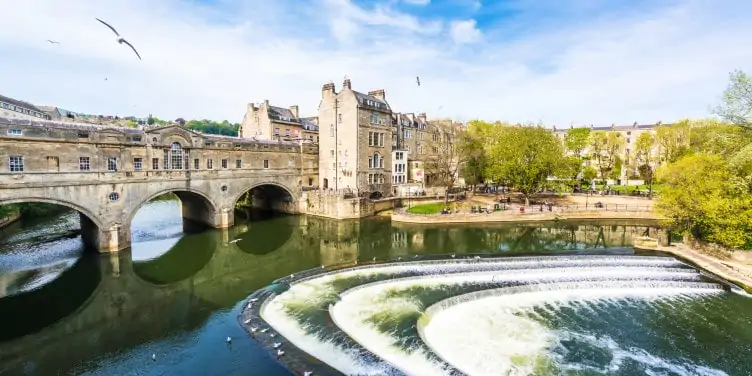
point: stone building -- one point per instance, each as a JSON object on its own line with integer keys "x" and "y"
{"x": 267, "y": 122}
{"x": 16, "y": 109}
{"x": 354, "y": 140}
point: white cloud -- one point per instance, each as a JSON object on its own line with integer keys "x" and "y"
{"x": 465, "y": 31}
{"x": 656, "y": 64}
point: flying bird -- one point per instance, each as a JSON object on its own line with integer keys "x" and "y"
{"x": 120, "y": 39}
{"x": 53, "y": 42}
{"x": 417, "y": 79}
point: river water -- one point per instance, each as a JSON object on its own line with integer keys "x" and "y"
{"x": 177, "y": 293}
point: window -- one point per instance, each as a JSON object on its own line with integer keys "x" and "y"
{"x": 16, "y": 164}
{"x": 276, "y": 131}
{"x": 14, "y": 132}
{"x": 310, "y": 164}
{"x": 626, "y": 151}
{"x": 114, "y": 196}
{"x": 331, "y": 130}
{"x": 111, "y": 164}
{"x": 176, "y": 156}
{"x": 381, "y": 139}
{"x": 629, "y": 140}
{"x": 374, "y": 119}
{"x": 83, "y": 134}
{"x": 331, "y": 152}
{"x": 238, "y": 163}
{"x": 435, "y": 137}
{"x": 210, "y": 164}
{"x": 408, "y": 133}
{"x": 137, "y": 164}
{"x": 334, "y": 165}
{"x": 84, "y": 164}
{"x": 196, "y": 164}
{"x": 377, "y": 161}
{"x": 339, "y": 118}
{"x": 370, "y": 162}
{"x": 224, "y": 163}
{"x": 266, "y": 163}
{"x": 629, "y": 133}
{"x": 136, "y": 138}
{"x": 287, "y": 132}
{"x": 310, "y": 182}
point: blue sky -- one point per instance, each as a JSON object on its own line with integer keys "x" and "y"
{"x": 559, "y": 62}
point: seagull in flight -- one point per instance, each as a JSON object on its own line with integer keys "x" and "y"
{"x": 53, "y": 42}
{"x": 417, "y": 79}
{"x": 120, "y": 39}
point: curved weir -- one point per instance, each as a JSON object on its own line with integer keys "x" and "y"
{"x": 517, "y": 316}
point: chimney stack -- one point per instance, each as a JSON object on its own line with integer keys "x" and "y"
{"x": 294, "y": 110}
{"x": 422, "y": 117}
{"x": 378, "y": 94}
{"x": 328, "y": 89}
{"x": 346, "y": 85}
{"x": 252, "y": 107}
{"x": 266, "y": 103}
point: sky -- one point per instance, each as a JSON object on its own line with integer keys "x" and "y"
{"x": 557, "y": 62}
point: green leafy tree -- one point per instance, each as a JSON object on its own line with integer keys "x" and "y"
{"x": 605, "y": 148}
{"x": 525, "y": 156}
{"x": 673, "y": 141}
{"x": 150, "y": 120}
{"x": 645, "y": 158}
{"x": 700, "y": 199}
{"x": 589, "y": 173}
{"x": 577, "y": 140}
{"x": 736, "y": 104}
{"x": 451, "y": 146}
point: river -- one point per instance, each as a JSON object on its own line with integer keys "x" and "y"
{"x": 177, "y": 293}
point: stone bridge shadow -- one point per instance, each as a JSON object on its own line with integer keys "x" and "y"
{"x": 112, "y": 304}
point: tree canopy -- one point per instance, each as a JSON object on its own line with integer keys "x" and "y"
{"x": 524, "y": 156}
{"x": 736, "y": 106}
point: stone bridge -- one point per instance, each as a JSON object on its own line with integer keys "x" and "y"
{"x": 122, "y": 303}
{"x": 107, "y": 173}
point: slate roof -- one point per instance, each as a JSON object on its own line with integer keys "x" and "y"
{"x": 309, "y": 125}
{"x": 19, "y": 103}
{"x": 363, "y": 98}
{"x": 67, "y": 125}
{"x": 613, "y": 128}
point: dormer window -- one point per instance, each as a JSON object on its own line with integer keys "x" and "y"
{"x": 15, "y": 132}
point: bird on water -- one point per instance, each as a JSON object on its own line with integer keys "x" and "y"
{"x": 120, "y": 39}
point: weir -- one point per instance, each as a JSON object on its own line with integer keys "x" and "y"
{"x": 390, "y": 310}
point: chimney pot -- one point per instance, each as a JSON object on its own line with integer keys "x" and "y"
{"x": 346, "y": 84}
{"x": 378, "y": 94}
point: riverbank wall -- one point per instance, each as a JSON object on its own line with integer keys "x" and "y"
{"x": 10, "y": 218}
{"x": 734, "y": 267}
{"x": 507, "y": 216}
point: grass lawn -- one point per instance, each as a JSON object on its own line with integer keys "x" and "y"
{"x": 432, "y": 208}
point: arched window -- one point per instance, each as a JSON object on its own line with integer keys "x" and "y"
{"x": 176, "y": 156}
{"x": 378, "y": 162}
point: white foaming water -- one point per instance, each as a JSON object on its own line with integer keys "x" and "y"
{"x": 360, "y": 304}
{"x": 314, "y": 293}
{"x": 357, "y": 304}
{"x": 477, "y": 338}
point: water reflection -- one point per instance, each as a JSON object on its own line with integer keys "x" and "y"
{"x": 177, "y": 295}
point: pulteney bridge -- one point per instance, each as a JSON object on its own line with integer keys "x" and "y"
{"x": 107, "y": 173}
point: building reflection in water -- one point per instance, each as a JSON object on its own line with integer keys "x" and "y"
{"x": 107, "y": 304}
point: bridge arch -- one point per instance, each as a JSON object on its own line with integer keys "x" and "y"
{"x": 94, "y": 230}
{"x": 269, "y": 195}
{"x": 197, "y": 206}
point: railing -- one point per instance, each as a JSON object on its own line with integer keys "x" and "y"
{"x": 514, "y": 210}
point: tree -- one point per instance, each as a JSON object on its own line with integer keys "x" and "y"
{"x": 673, "y": 141}
{"x": 605, "y": 148}
{"x": 645, "y": 158}
{"x": 449, "y": 147}
{"x": 737, "y": 100}
{"x": 525, "y": 156}
{"x": 180, "y": 121}
{"x": 615, "y": 172}
{"x": 150, "y": 120}
{"x": 577, "y": 140}
{"x": 589, "y": 174}
{"x": 701, "y": 200}
{"x": 477, "y": 136}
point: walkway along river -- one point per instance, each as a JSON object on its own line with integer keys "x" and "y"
{"x": 176, "y": 294}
